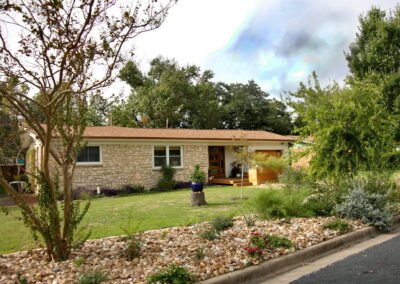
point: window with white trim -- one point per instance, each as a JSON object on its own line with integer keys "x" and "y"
{"x": 167, "y": 155}
{"x": 89, "y": 155}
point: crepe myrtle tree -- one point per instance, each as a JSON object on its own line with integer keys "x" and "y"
{"x": 64, "y": 51}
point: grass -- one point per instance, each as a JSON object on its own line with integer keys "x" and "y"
{"x": 139, "y": 212}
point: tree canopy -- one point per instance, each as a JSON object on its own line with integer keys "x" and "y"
{"x": 186, "y": 97}
{"x": 376, "y": 51}
{"x": 352, "y": 131}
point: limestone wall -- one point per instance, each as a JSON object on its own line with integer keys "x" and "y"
{"x": 132, "y": 164}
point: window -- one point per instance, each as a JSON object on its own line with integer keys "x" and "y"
{"x": 89, "y": 154}
{"x": 167, "y": 155}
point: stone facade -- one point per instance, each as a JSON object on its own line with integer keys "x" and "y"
{"x": 124, "y": 164}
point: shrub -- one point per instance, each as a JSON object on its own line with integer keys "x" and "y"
{"x": 175, "y": 274}
{"x": 198, "y": 175}
{"x": 221, "y": 223}
{"x": 166, "y": 182}
{"x": 338, "y": 225}
{"x": 272, "y": 162}
{"x": 259, "y": 242}
{"x": 134, "y": 246}
{"x": 129, "y": 189}
{"x": 282, "y": 203}
{"x": 2, "y": 190}
{"x": 92, "y": 278}
{"x": 182, "y": 184}
{"x": 369, "y": 208}
{"x": 296, "y": 178}
{"x": 210, "y": 234}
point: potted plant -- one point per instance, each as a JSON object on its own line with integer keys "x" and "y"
{"x": 198, "y": 179}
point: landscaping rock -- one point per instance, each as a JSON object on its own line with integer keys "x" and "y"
{"x": 221, "y": 256}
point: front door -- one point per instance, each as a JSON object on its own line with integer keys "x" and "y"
{"x": 216, "y": 156}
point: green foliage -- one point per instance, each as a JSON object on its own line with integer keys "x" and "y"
{"x": 2, "y": 190}
{"x": 133, "y": 247}
{"x": 351, "y": 130}
{"x": 296, "y": 178}
{"x": 188, "y": 98}
{"x": 163, "y": 235}
{"x": 199, "y": 254}
{"x": 209, "y": 234}
{"x": 376, "y": 51}
{"x": 10, "y": 141}
{"x": 259, "y": 242}
{"x": 250, "y": 220}
{"x": 198, "y": 175}
{"x": 283, "y": 203}
{"x": 79, "y": 261}
{"x": 166, "y": 182}
{"x": 370, "y": 208}
{"x": 175, "y": 274}
{"x": 48, "y": 216}
{"x": 221, "y": 223}
{"x": 92, "y": 278}
{"x": 272, "y": 162}
{"x": 338, "y": 225}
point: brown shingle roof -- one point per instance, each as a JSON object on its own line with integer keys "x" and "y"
{"x": 115, "y": 132}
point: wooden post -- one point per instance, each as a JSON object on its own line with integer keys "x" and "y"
{"x": 198, "y": 199}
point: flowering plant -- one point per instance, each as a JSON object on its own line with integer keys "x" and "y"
{"x": 259, "y": 242}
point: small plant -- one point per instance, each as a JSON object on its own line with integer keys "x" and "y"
{"x": 338, "y": 225}
{"x": 163, "y": 235}
{"x": 369, "y": 208}
{"x": 221, "y": 223}
{"x": 21, "y": 280}
{"x": 198, "y": 175}
{"x": 175, "y": 274}
{"x": 166, "y": 182}
{"x": 209, "y": 234}
{"x": 199, "y": 254}
{"x": 250, "y": 220}
{"x": 134, "y": 246}
{"x": 92, "y": 278}
{"x": 259, "y": 242}
{"x": 79, "y": 261}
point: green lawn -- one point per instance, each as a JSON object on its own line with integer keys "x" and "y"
{"x": 110, "y": 216}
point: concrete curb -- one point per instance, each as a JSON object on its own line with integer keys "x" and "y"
{"x": 273, "y": 267}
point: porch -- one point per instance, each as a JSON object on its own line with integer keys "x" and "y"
{"x": 232, "y": 181}
{"x": 222, "y": 169}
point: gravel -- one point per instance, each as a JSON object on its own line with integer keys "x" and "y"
{"x": 161, "y": 248}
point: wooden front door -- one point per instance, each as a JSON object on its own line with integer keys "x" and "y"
{"x": 216, "y": 157}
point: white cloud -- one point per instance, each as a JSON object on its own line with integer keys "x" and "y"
{"x": 193, "y": 30}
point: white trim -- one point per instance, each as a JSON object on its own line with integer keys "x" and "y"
{"x": 167, "y": 155}
{"x": 99, "y": 163}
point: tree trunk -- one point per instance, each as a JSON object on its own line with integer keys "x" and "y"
{"x": 198, "y": 199}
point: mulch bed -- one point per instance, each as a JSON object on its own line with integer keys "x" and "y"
{"x": 161, "y": 248}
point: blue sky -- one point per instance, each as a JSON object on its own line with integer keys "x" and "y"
{"x": 277, "y": 43}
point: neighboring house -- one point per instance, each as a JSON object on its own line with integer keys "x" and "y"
{"x": 117, "y": 156}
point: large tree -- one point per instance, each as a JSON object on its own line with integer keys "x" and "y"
{"x": 187, "y": 98}
{"x": 246, "y": 106}
{"x": 64, "y": 51}
{"x": 376, "y": 50}
{"x": 168, "y": 94}
{"x": 351, "y": 130}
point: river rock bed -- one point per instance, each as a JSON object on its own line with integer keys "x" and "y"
{"x": 177, "y": 245}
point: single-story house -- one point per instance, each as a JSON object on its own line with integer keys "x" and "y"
{"x": 116, "y": 156}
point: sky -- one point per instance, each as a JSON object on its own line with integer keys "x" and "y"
{"x": 277, "y": 43}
